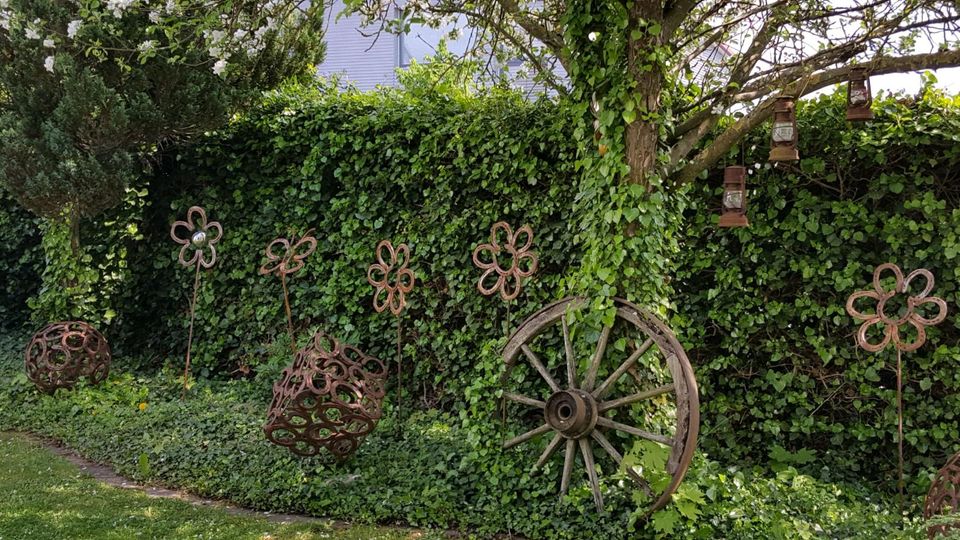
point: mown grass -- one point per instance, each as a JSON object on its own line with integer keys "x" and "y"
{"x": 45, "y": 496}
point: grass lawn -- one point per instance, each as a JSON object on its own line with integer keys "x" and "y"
{"x": 43, "y": 496}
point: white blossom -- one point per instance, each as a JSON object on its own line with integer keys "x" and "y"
{"x": 31, "y": 33}
{"x": 48, "y": 43}
{"x": 219, "y": 67}
{"x": 154, "y": 17}
{"x": 147, "y": 46}
{"x": 73, "y": 27}
{"x": 48, "y": 63}
{"x": 118, "y": 6}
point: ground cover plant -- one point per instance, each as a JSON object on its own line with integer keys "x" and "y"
{"x": 425, "y": 470}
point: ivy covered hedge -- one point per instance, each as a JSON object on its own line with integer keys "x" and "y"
{"x": 434, "y": 173}
{"x": 760, "y": 309}
{"x": 763, "y": 308}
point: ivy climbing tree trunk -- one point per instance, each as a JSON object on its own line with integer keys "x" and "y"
{"x": 645, "y": 21}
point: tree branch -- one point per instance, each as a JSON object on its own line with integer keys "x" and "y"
{"x": 710, "y": 155}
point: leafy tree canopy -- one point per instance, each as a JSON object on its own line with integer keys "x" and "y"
{"x": 89, "y": 88}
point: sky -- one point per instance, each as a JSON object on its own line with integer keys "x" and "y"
{"x": 947, "y": 78}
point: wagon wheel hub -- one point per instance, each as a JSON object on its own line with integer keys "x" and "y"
{"x": 571, "y": 413}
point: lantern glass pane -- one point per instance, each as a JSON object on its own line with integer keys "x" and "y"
{"x": 782, "y": 132}
{"x": 858, "y": 96}
{"x": 733, "y": 199}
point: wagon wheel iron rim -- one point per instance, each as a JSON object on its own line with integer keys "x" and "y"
{"x": 577, "y": 411}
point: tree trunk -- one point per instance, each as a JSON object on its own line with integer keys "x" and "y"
{"x": 75, "y": 231}
{"x": 642, "y": 134}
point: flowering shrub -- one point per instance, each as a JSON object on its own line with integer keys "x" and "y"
{"x": 88, "y": 88}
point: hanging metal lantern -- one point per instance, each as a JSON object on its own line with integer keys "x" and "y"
{"x": 734, "y": 212}
{"x": 783, "y": 137}
{"x": 859, "y": 97}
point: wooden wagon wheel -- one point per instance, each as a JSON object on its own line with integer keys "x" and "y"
{"x": 605, "y": 404}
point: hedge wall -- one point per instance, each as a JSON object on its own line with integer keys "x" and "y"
{"x": 763, "y": 308}
{"x": 435, "y": 173}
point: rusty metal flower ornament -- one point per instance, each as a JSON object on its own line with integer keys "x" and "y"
{"x": 285, "y": 257}
{"x": 201, "y": 237}
{"x": 508, "y": 279}
{"x": 330, "y": 397}
{"x": 892, "y": 322}
{"x": 391, "y": 277}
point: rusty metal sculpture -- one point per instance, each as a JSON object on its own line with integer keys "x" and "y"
{"x": 200, "y": 243}
{"x": 63, "y": 352}
{"x": 379, "y": 275}
{"x": 287, "y": 263}
{"x": 509, "y": 279}
{"x": 391, "y": 275}
{"x": 600, "y": 406}
{"x": 944, "y": 496}
{"x": 330, "y": 397}
{"x": 892, "y": 322}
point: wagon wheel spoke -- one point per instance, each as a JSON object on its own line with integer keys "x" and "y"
{"x": 612, "y": 452}
{"x": 526, "y": 436}
{"x": 517, "y": 398}
{"x": 568, "y": 456}
{"x": 568, "y": 349}
{"x": 551, "y": 448}
{"x": 532, "y": 357}
{"x": 591, "y": 467}
{"x": 606, "y": 422}
{"x": 591, "y": 377}
{"x": 607, "y": 385}
{"x": 639, "y": 396}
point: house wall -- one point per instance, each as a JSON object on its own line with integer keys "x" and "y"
{"x": 364, "y": 61}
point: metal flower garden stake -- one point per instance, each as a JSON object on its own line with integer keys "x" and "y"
{"x": 288, "y": 261}
{"x": 504, "y": 279}
{"x": 892, "y": 315}
{"x": 393, "y": 281}
{"x": 199, "y": 249}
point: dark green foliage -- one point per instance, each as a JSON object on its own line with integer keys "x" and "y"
{"x": 431, "y": 470}
{"x": 435, "y": 173}
{"x": 763, "y": 308}
{"x": 21, "y": 262}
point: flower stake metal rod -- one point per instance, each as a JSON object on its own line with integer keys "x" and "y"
{"x": 891, "y": 328}
{"x": 198, "y": 239}
{"x": 393, "y": 262}
{"x": 509, "y": 281}
{"x": 288, "y": 262}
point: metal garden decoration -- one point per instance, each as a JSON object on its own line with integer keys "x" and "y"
{"x": 783, "y": 137}
{"x": 330, "y": 397}
{"x": 286, "y": 262}
{"x": 63, "y": 352}
{"x": 859, "y": 96}
{"x": 392, "y": 281}
{"x": 944, "y": 495}
{"x": 897, "y": 310}
{"x": 521, "y": 262}
{"x": 198, "y": 238}
{"x": 643, "y": 378}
